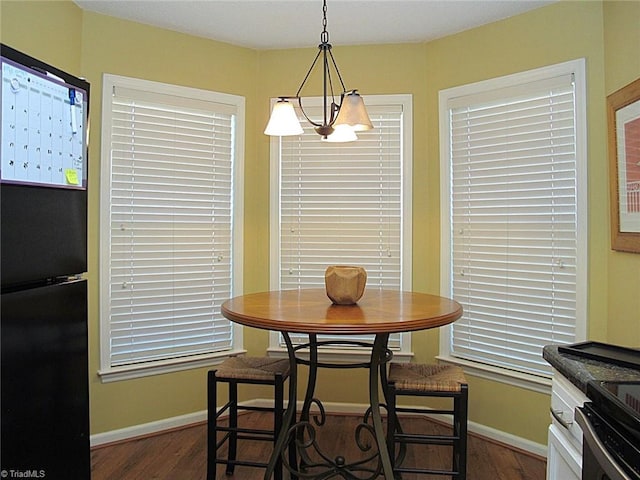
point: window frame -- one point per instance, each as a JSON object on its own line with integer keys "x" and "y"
{"x": 110, "y": 373}
{"x": 577, "y": 68}
{"x": 335, "y": 353}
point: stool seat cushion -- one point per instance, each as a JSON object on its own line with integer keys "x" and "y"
{"x": 252, "y": 368}
{"x": 426, "y": 377}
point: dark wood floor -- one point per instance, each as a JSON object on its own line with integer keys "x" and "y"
{"x": 181, "y": 454}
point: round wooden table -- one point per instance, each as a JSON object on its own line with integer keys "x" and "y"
{"x": 310, "y": 311}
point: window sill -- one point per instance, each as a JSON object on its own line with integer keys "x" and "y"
{"x": 502, "y": 375}
{"x": 130, "y": 372}
{"x": 340, "y": 355}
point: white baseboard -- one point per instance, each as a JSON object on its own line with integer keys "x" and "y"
{"x": 330, "y": 407}
{"x": 509, "y": 439}
{"x": 147, "y": 428}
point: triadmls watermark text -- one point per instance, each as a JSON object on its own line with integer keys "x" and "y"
{"x": 11, "y": 473}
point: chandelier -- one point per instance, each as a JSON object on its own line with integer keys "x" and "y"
{"x": 340, "y": 120}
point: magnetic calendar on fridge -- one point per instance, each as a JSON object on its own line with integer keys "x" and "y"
{"x": 43, "y": 128}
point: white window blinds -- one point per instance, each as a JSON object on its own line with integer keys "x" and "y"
{"x": 514, "y": 222}
{"x": 342, "y": 204}
{"x": 169, "y": 256}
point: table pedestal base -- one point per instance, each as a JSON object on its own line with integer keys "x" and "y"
{"x": 311, "y": 462}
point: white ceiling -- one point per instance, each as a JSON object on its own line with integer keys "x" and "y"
{"x": 269, "y": 24}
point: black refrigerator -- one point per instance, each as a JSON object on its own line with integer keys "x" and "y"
{"x": 44, "y": 395}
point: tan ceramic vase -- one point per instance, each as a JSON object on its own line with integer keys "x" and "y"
{"x": 344, "y": 284}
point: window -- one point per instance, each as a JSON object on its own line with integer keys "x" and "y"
{"x": 514, "y": 241}
{"x": 171, "y": 225}
{"x": 344, "y": 204}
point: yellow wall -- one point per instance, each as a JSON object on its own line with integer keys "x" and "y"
{"x": 606, "y": 34}
{"x": 622, "y": 66}
{"x": 50, "y": 31}
{"x": 554, "y": 34}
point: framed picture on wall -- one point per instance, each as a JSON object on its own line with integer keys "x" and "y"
{"x": 623, "y": 113}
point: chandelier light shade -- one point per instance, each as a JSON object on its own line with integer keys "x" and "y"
{"x": 341, "y": 133}
{"x": 348, "y": 112}
{"x": 353, "y": 113}
{"x": 284, "y": 120}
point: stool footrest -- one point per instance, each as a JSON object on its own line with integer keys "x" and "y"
{"x": 426, "y": 471}
{"x": 424, "y": 411}
{"x": 243, "y": 408}
{"x": 242, "y": 463}
{"x": 253, "y": 431}
{"x": 255, "y": 437}
{"x": 426, "y": 439}
{"x": 249, "y": 408}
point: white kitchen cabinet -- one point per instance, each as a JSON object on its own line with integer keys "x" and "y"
{"x": 564, "y": 457}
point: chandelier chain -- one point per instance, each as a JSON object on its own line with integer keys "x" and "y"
{"x": 324, "y": 36}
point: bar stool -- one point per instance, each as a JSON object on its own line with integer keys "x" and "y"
{"x": 235, "y": 371}
{"x": 425, "y": 380}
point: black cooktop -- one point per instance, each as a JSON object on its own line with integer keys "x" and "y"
{"x": 619, "y": 401}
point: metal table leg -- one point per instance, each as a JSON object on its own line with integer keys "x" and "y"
{"x": 283, "y": 441}
{"x": 377, "y": 372}
{"x": 302, "y": 432}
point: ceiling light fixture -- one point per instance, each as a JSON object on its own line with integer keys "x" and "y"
{"x": 344, "y": 118}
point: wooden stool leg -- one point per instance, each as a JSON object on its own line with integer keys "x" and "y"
{"x": 278, "y": 405}
{"x": 212, "y": 439}
{"x": 455, "y": 457}
{"x": 391, "y": 421}
{"x": 461, "y": 415}
{"x": 233, "y": 426}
